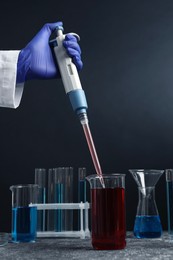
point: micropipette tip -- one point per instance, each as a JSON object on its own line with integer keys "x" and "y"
{"x": 84, "y": 121}
{"x": 102, "y": 181}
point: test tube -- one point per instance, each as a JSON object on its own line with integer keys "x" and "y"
{"x": 81, "y": 185}
{"x": 40, "y": 179}
{"x": 81, "y": 190}
{"x": 60, "y": 190}
{"x": 59, "y": 195}
{"x": 169, "y": 190}
{"x": 51, "y": 199}
{"x": 55, "y": 195}
{"x": 67, "y": 173}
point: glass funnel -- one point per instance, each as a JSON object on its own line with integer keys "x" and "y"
{"x": 147, "y": 222}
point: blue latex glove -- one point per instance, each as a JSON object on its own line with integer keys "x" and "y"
{"x": 36, "y": 60}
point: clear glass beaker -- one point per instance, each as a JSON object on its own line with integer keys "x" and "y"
{"x": 147, "y": 221}
{"x": 108, "y": 211}
{"x": 24, "y": 216}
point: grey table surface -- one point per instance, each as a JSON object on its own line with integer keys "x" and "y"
{"x": 69, "y": 248}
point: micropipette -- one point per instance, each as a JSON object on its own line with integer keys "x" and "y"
{"x": 75, "y": 92}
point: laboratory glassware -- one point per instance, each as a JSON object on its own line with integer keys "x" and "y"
{"x": 169, "y": 198}
{"x": 81, "y": 189}
{"x": 55, "y": 195}
{"x": 40, "y": 179}
{"x": 81, "y": 184}
{"x": 76, "y": 94}
{"x": 24, "y": 215}
{"x": 147, "y": 221}
{"x": 108, "y": 224}
{"x": 60, "y": 190}
{"x": 51, "y": 199}
{"x": 67, "y": 177}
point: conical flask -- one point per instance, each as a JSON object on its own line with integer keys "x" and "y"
{"x": 147, "y": 222}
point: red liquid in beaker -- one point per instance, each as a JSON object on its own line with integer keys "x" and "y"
{"x": 108, "y": 218}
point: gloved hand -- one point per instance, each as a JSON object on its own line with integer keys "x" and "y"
{"x": 36, "y": 60}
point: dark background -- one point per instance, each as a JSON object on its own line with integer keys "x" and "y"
{"x": 127, "y": 50}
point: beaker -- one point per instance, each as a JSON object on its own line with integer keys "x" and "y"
{"x": 147, "y": 221}
{"x": 108, "y": 211}
{"x": 40, "y": 180}
{"x": 169, "y": 198}
{"x": 24, "y": 215}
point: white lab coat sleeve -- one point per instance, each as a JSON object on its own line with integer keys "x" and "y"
{"x": 10, "y": 92}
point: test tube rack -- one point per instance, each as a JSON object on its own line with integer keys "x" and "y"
{"x": 83, "y": 207}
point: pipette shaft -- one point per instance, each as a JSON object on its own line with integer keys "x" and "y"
{"x": 75, "y": 92}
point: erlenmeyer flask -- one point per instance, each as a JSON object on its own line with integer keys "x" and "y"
{"x": 147, "y": 222}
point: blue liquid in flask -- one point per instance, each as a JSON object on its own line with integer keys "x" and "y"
{"x": 147, "y": 227}
{"x": 24, "y": 224}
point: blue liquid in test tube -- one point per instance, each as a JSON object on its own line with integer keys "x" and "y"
{"x": 60, "y": 190}
{"x": 59, "y": 212}
{"x": 81, "y": 185}
{"x": 81, "y": 190}
{"x": 24, "y": 224}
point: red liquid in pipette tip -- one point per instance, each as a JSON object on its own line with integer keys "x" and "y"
{"x": 93, "y": 153}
